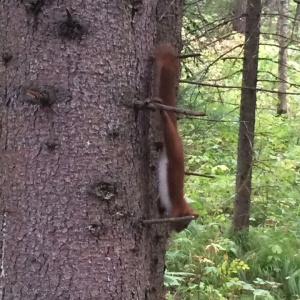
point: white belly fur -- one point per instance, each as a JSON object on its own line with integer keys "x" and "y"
{"x": 163, "y": 182}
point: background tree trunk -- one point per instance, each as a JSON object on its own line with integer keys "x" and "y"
{"x": 239, "y": 11}
{"x": 282, "y": 32}
{"x": 296, "y": 23}
{"x": 270, "y": 8}
{"x": 77, "y": 173}
{"x": 247, "y": 118}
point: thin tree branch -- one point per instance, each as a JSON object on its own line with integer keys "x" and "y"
{"x": 235, "y": 87}
{"x": 157, "y": 106}
{"x": 168, "y": 220}
{"x": 274, "y": 45}
{"x": 183, "y": 56}
{"x": 221, "y": 56}
{"x": 218, "y": 121}
{"x": 198, "y": 174}
{"x": 225, "y": 77}
{"x": 275, "y": 15}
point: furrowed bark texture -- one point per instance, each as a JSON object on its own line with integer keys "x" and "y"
{"x": 168, "y": 30}
{"x": 247, "y": 118}
{"x": 169, "y": 15}
{"x": 76, "y": 175}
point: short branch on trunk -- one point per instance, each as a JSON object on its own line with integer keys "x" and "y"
{"x": 169, "y": 220}
{"x": 182, "y": 56}
{"x": 148, "y": 104}
{"x": 198, "y": 174}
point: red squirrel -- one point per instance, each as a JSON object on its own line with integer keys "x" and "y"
{"x": 171, "y": 161}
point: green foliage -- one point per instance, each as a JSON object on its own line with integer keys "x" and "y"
{"x": 206, "y": 261}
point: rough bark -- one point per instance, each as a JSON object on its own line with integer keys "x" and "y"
{"x": 77, "y": 174}
{"x": 247, "y": 118}
{"x": 169, "y": 16}
{"x": 282, "y": 32}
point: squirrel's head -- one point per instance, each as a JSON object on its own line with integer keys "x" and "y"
{"x": 184, "y": 212}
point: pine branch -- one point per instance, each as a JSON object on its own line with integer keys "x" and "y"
{"x": 169, "y": 220}
{"x": 148, "y": 104}
{"x": 198, "y": 174}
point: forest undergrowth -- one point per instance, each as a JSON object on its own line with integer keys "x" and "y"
{"x": 207, "y": 261}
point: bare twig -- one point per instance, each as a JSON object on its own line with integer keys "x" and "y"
{"x": 198, "y": 174}
{"x": 182, "y": 56}
{"x": 235, "y": 87}
{"x": 158, "y": 106}
{"x": 169, "y": 220}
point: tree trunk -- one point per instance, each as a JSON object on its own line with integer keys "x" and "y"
{"x": 282, "y": 32}
{"x": 296, "y": 23}
{"x": 169, "y": 13}
{"x": 77, "y": 161}
{"x": 270, "y": 9}
{"x": 247, "y": 118}
{"x": 271, "y": 5}
{"x": 239, "y": 13}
